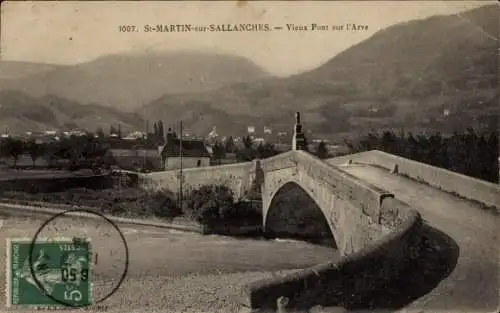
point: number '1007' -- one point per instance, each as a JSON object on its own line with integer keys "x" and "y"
{"x": 70, "y": 274}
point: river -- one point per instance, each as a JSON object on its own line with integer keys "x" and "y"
{"x": 188, "y": 270}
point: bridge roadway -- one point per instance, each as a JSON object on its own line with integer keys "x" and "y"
{"x": 473, "y": 286}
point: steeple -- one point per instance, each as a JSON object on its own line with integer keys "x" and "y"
{"x": 299, "y": 140}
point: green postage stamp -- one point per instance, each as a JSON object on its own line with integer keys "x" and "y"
{"x": 63, "y": 271}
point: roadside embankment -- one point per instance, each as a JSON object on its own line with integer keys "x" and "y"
{"x": 30, "y": 208}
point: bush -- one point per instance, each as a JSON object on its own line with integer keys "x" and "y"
{"x": 163, "y": 204}
{"x": 242, "y": 213}
{"x": 209, "y": 204}
{"x": 214, "y": 205}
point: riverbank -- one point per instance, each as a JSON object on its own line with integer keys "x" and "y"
{"x": 22, "y": 208}
{"x": 243, "y": 220}
{"x": 179, "y": 223}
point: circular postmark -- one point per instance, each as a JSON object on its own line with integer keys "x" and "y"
{"x": 68, "y": 272}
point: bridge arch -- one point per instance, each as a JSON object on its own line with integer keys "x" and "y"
{"x": 350, "y": 206}
{"x": 294, "y": 213}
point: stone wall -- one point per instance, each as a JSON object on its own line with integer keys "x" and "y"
{"x": 238, "y": 177}
{"x": 174, "y": 163}
{"x": 465, "y": 186}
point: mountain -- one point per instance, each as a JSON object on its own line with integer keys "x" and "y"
{"x": 128, "y": 81}
{"x": 18, "y": 69}
{"x": 440, "y": 72}
{"x": 20, "y": 112}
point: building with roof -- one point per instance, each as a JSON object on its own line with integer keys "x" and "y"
{"x": 134, "y": 154}
{"x": 194, "y": 153}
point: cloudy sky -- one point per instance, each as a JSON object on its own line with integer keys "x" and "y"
{"x": 73, "y": 32}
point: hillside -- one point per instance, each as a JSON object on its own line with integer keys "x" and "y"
{"x": 128, "y": 81}
{"x": 18, "y": 69}
{"x": 20, "y": 113}
{"x": 406, "y": 75}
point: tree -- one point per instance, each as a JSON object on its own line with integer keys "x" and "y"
{"x": 35, "y": 150}
{"x": 155, "y": 129}
{"x": 247, "y": 141}
{"x": 229, "y": 144}
{"x": 4, "y": 153}
{"x": 266, "y": 150}
{"x": 322, "y": 150}
{"x": 93, "y": 151}
{"x": 218, "y": 151}
{"x": 112, "y": 130}
{"x": 99, "y": 132}
{"x": 72, "y": 148}
{"x": 50, "y": 155}
{"x": 161, "y": 130}
{"x": 388, "y": 142}
{"x": 13, "y": 148}
{"x": 493, "y": 150}
{"x": 306, "y": 144}
{"x": 260, "y": 151}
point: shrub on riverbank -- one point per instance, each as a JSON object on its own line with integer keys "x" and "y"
{"x": 211, "y": 206}
{"x": 130, "y": 202}
{"x": 214, "y": 207}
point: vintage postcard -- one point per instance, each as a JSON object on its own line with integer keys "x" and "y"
{"x": 253, "y": 156}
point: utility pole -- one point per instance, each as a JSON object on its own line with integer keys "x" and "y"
{"x": 145, "y": 139}
{"x": 181, "y": 177}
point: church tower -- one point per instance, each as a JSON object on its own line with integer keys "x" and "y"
{"x": 299, "y": 139}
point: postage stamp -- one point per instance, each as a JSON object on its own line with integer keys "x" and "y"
{"x": 61, "y": 276}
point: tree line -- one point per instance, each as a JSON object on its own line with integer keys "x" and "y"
{"x": 80, "y": 151}
{"x": 468, "y": 153}
{"x": 158, "y": 131}
{"x": 249, "y": 151}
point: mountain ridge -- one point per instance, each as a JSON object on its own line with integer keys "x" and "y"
{"x": 437, "y": 73}
{"x": 406, "y": 75}
{"x": 127, "y": 81}
{"x": 20, "y": 113}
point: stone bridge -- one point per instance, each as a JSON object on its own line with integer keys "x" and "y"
{"x": 353, "y": 209}
{"x": 374, "y": 204}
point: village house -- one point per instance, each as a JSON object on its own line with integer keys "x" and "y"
{"x": 134, "y": 154}
{"x": 194, "y": 153}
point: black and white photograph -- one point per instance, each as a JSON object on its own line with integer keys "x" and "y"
{"x": 249, "y": 156}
